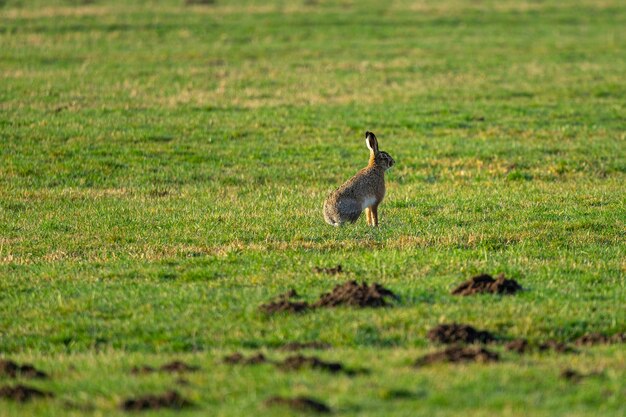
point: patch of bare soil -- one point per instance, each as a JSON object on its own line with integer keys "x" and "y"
{"x": 459, "y": 333}
{"x": 330, "y": 271}
{"x": 354, "y": 294}
{"x": 284, "y": 304}
{"x": 295, "y": 346}
{"x": 459, "y": 354}
{"x": 239, "y": 359}
{"x": 22, "y": 393}
{"x": 299, "y": 404}
{"x": 171, "y": 367}
{"x": 522, "y": 346}
{"x": 296, "y": 362}
{"x": 178, "y": 367}
{"x": 592, "y": 339}
{"x": 350, "y": 293}
{"x": 485, "y": 283}
{"x": 11, "y": 369}
{"x": 292, "y": 363}
{"x": 556, "y": 346}
{"x": 169, "y": 399}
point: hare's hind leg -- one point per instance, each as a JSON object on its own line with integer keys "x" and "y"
{"x": 350, "y": 210}
{"x": 374, "y": 213}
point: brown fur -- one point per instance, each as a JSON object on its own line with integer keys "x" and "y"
{"x": 365, "y": 190}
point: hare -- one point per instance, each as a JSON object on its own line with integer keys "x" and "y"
{"x": 363, "y": 191}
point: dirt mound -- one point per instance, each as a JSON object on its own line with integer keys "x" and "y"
{"x": 239, "y": 359}
{"x": 556, "y": 346}
{"x": 591, "y": 339}
{"x": 458, "y": 333}
{"x": 22, "y": 393}
{"x": 330, "y": 271}
{"x": 291, "y": 363}
{"x": 170, "y": 399}
{"x": 459, "y": 354}
{"x": 13, "y": 370}
{"x": 352, "y": 293}
{"x": 522, "y": 346}
{"x": 284, "y": 303}
{"x": 294, "y": 363}
{"x": 299, "y": 404}
{"x": 178, "y": 367}
{"x": 172, "y": 367}
{"x": 294, "y": 346}
{"x": 485, "y": 283}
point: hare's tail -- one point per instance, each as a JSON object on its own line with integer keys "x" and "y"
{"x": 332, "y": 222}
{"x": 331, "y": 216}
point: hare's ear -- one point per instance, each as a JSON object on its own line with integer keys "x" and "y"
{"x": 371, "y": 142}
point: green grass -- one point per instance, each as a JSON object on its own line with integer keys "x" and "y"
{"x": 163, "y": 169}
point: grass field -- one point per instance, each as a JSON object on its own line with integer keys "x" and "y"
{"x": 163, "y": 168}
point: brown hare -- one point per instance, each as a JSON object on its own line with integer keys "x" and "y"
{"x": 363, "y": 191}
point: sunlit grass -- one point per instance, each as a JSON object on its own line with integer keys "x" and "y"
{"x": 163, "y": 169}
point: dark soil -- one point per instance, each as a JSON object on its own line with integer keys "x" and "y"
{"x": 591, "y": 339}
{"x": 556, "y": 346}
{"x": 170, "y": 399}
{"x": 238, "y": 359}
{"x": 295, "y": 346}
{"x": 172, "y": 367}
{"x": 293, "y": 363}
{"x": 330, "y": 271}
{"x": 284, "y": 304}
{"x": 458, "y": 333}
{"x": 22, "y": 393}
{"x": 178, "y": 367}
{"x": 299, "y": 404}
{"x": 352, "y": 293}
{"x": 13, "y": 370}
{"x": 485, "y": 283}
{"x": 459, "y": 354}
{"x": 522, "y": 346}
